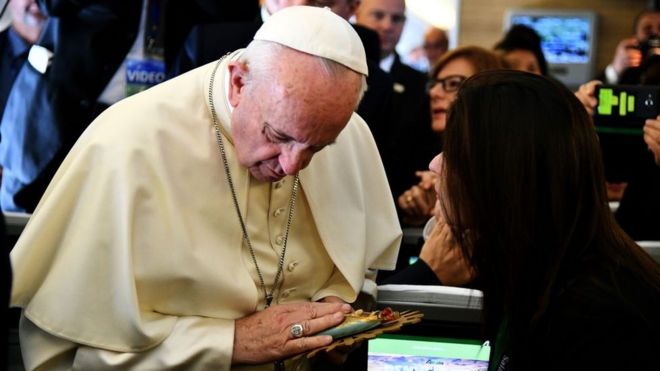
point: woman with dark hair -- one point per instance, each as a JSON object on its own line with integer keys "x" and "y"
{"x": 416, "y": 203}
{"x": 522, "y": 190}
{"x": 521, "y": 49}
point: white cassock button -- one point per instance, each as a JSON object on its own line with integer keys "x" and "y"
{"x": 292, "y": 266}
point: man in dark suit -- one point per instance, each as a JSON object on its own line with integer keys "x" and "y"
{"x": 410, "y": 142}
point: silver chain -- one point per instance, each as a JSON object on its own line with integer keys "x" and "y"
{"x": 292, "y": 201}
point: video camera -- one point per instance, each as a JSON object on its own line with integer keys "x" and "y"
{"x": 650, "y": 46}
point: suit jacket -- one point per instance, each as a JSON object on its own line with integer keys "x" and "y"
{"x": 418, "y": 273}
{"x": 411, "y": 142}
{"x": 13, "y": 53}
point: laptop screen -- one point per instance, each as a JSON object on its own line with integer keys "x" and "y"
{"x": 406, "y": 353}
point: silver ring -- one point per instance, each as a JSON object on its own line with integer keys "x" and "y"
{"x": 297, "y": 330}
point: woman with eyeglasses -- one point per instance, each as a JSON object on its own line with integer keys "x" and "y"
{"x": 416, "y": 204}
{"x": 438, "y": 263}
{"x": 521, "y": 184}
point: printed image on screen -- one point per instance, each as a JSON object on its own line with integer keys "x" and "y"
{"x": 564, "y": 39}
{"x": 408, "y": 353}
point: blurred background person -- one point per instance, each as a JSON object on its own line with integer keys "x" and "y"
{"x": 629, "y": 52}
{"x": 638, "y": 212}
{"x": 625, "y": 156}
{"x": 418, "y": 202}
{"x": 408, "y": 140}
{"x": 521, "y": 49}
{"x": 436, "y": 44}
{"x": 448, "y": 74}
{"x": 93, "y": 54}
{"x": 27, "y": 21}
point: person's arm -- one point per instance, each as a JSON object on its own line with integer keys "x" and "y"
{"x": 418, "y": 201}
{"x": 196, "y": 343}
{"x": 441, "y": 262}
{"x": 626, "y": 55}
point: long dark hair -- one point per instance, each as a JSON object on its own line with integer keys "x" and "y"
{"x": 521, "y": 37}
{"x": 525, "y": 195}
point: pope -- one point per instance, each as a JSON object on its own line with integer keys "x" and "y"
{"x": 216, "y": 221}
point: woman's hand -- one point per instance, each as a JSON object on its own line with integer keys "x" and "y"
{"x": 443, "y": 255}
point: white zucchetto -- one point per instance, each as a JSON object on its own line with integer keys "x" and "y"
{"x": 316, "y": 31}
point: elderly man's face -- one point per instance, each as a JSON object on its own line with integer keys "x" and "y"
{"x": 386, "y": 17}
{"x": 280, "y": 122}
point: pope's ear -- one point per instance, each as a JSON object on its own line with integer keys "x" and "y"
{"x": 237, "y": 76}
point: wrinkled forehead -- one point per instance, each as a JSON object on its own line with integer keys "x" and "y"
{"x": 305, "y": 98}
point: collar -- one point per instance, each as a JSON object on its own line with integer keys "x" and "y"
{"x": 387, "y": 62}
{"x": 17, "y": 45}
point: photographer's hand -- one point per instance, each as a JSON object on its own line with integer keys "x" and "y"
{"x": 652, "y": 137}
{"x": 627, "y": 55}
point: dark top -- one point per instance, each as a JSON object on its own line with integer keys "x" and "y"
{"x": 639, "y": 210}
{"x": 598, "y": 321}
{"x": 411, "y": 144}
{"x": 418, "y": 273}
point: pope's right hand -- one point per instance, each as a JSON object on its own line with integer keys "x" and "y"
{"x": 266, "y": 336}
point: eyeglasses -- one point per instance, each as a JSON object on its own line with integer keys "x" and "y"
{"x": 449, "y": 84}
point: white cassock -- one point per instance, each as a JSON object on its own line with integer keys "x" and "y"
{"x": 134, "y": 257}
